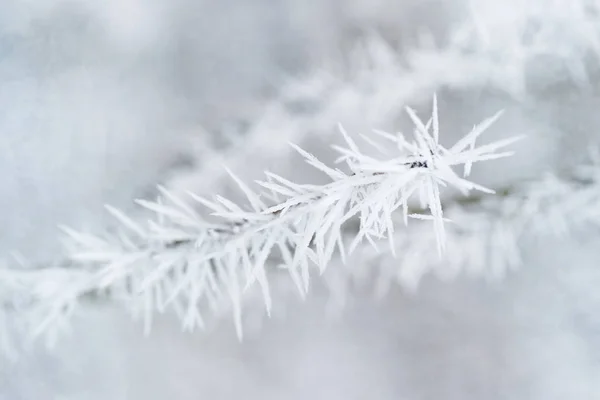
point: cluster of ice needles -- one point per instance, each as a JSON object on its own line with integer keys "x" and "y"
{"x": 182, "y": 262}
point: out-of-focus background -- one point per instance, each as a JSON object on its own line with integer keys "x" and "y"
{"x": 100, "y": 101}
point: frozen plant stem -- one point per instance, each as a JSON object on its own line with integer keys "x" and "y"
{"x": 182, "y": 262}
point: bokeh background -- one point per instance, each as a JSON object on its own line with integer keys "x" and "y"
{"x": 100, "y": 101}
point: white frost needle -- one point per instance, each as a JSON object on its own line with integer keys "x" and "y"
{"x": 166, "y": 264}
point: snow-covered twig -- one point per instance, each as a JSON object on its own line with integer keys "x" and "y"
{"x": 186, "y": 263}
{"x": 487, "y": 235}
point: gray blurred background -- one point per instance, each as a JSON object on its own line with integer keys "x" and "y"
{"x": 100, "y": 101}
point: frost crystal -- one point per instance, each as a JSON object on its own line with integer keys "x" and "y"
{"x": 185, "y": 263}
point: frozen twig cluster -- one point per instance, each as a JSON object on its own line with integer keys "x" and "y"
{"x": 182, "y": 262}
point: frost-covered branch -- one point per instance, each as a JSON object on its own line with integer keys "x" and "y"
{"x": 486, "y": 235}
{"x": 186, "y": 263}
{"x": 522, "y": 50}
